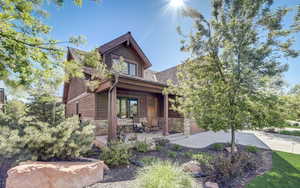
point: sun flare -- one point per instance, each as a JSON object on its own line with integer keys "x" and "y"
{"x": 176, "y": 3}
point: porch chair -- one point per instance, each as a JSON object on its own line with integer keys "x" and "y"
{"x": 137, "y": 126}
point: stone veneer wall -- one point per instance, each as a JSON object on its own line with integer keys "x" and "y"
{"x": 191, "y": 127}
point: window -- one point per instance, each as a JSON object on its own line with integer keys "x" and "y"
{"x": 127, "y": 107}
{"x": 129, "y": 68}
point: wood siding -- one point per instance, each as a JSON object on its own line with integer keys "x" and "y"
{"x": 86, "y": 106}
{"x": 77, "y": 87}
{"x": 128, "y": 53}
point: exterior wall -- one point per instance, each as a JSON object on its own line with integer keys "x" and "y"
{"x": 127, "y": 53}
{"x": 191, "y": 127}
{"x": 77, "y": 87}
{"x": 101, "y": 106}
{"x": 86, "y": 107}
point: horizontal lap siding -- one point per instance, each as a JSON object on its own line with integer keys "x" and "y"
{"x": 86, "y": 107}
{"x": 102, "y": 106}
{"x": 77, "y": 87}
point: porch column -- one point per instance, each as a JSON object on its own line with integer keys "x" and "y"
{"x": 166, "y": 115}
{"x": 112, "y": 115}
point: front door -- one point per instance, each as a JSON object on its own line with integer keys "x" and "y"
{"x": 152, "y": 110}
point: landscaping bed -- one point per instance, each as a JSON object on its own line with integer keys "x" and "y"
{"x": 182, "y": 155}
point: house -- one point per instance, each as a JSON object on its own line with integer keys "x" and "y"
{"x": 2, "y": 99}
{"x": 138, "y": 92}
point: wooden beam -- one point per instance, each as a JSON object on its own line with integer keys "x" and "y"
{"x": 166, "y": 116}
{"x": 112, "y": 116}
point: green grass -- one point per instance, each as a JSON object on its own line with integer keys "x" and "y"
{"x": 293, "y": 133}
{"x": 284, "y": 174}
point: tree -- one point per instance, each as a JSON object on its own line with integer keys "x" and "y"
{"x": 225, "y": 84}
{"x": 26, "y": 51}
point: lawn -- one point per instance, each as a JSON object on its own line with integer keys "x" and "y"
{"x": 292, "y": 133}
{"x": 284, "y": 174}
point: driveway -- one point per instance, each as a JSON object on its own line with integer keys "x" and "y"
{"x": 259, "y": 139}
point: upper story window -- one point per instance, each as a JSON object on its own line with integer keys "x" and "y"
{"x": 129, "y": 68}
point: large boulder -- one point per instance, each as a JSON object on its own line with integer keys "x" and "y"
{"x": 55, "y": 174}
{"x": 192, "y": 167}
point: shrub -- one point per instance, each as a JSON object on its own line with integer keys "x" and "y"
{"x": 203, "y": 158}
{"x": 164, "y": 175}
{"x": 148, "y": 160}
{"x": 70, "y": 139}
{"x": 177, "y": 147}
{"x": 172, "y": 154}
{"x": 218, "y": 147}
{"x": 227, "y": 168}
{"x": 158, "y": 148}
{"x": 142, "y": 146}
{"x": 188, "y": 154}
{"x": 115, "y": 155}
{"x": 162, "y": 142}
{"x": 252, "y": 149}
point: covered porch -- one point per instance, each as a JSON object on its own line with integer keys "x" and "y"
{"x": 133, "y": 101}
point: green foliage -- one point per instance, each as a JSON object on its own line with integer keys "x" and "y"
{"x": 203, "y": 158}
{"x": 149, "y": 160}
{"x": 115, "y": 155}
{"x": 218, "y": 147}
{"x": 188, "y": 154}
{"x": 45, "y": 107}
{"x": 284, "y": 172}
{"x": 177, "y": 147}
{"x": 27, "y": 52}
{"x": 158, "y": 148}
{"x": 142, "y": 146}
{"x": 252, "y": 149}
{"x": 43, "y": 141}
{"x": 232, "y": 78}
{"x": 172, "y": 154}
{"x": 15, "y": 109}
{"x": 163, "y": 174}
{"x": 292, "y": 133}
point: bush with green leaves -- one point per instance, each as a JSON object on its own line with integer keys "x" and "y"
{"x": 142, "y": 146}
{"x": 172, "y": 154}
{"x": 218, "y": 147}
{"x": 42, "y": 141}
{"x": 116, "y": 154}
{"x": 203, "y": 158}
{"x": 188, "y": 154}
{"x": 177, "y": 147}
{"x": 164, "y": 175}
{"x": 252, "y": 149}
{"x": 149, "y": 160}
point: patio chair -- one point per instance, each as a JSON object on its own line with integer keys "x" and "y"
{"x": 137, "y": 126}
{"x": 152, "y": 127}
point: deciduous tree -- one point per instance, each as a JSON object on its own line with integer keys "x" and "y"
{"x": 225, "y": 84}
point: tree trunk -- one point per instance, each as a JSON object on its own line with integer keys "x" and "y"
{"x": 232, "y": 140}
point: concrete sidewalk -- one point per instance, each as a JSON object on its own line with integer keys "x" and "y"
{"x": 259, "y": 139}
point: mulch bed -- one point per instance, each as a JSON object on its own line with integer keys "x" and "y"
{"x": 128, "y": 172}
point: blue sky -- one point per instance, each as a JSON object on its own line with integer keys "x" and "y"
{"x": 151, "y": 22}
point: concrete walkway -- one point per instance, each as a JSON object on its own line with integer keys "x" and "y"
{"x": 259, "y": 139}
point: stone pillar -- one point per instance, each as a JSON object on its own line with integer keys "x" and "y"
{"x": 187, "y": 126}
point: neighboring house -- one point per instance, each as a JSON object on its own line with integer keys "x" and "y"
{"x": 2, "y": 99}
{"x": 137, "y": 93}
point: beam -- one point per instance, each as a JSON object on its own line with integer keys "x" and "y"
{"x": 112, "y": 115}
{"x": 166, "y": 115}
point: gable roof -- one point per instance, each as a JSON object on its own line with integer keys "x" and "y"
{"x": 129, "y": 40}
{"x": 168, "y": 74}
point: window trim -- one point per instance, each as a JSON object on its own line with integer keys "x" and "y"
{"x": 128, "y": 99}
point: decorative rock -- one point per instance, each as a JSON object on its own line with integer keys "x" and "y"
{"x": 228, "y": 149}
{"x": 192, "y": 167}
{"x": 211, "y": 185}
{"x": 152, "y": 146}
{"x": 55, "y": 174}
